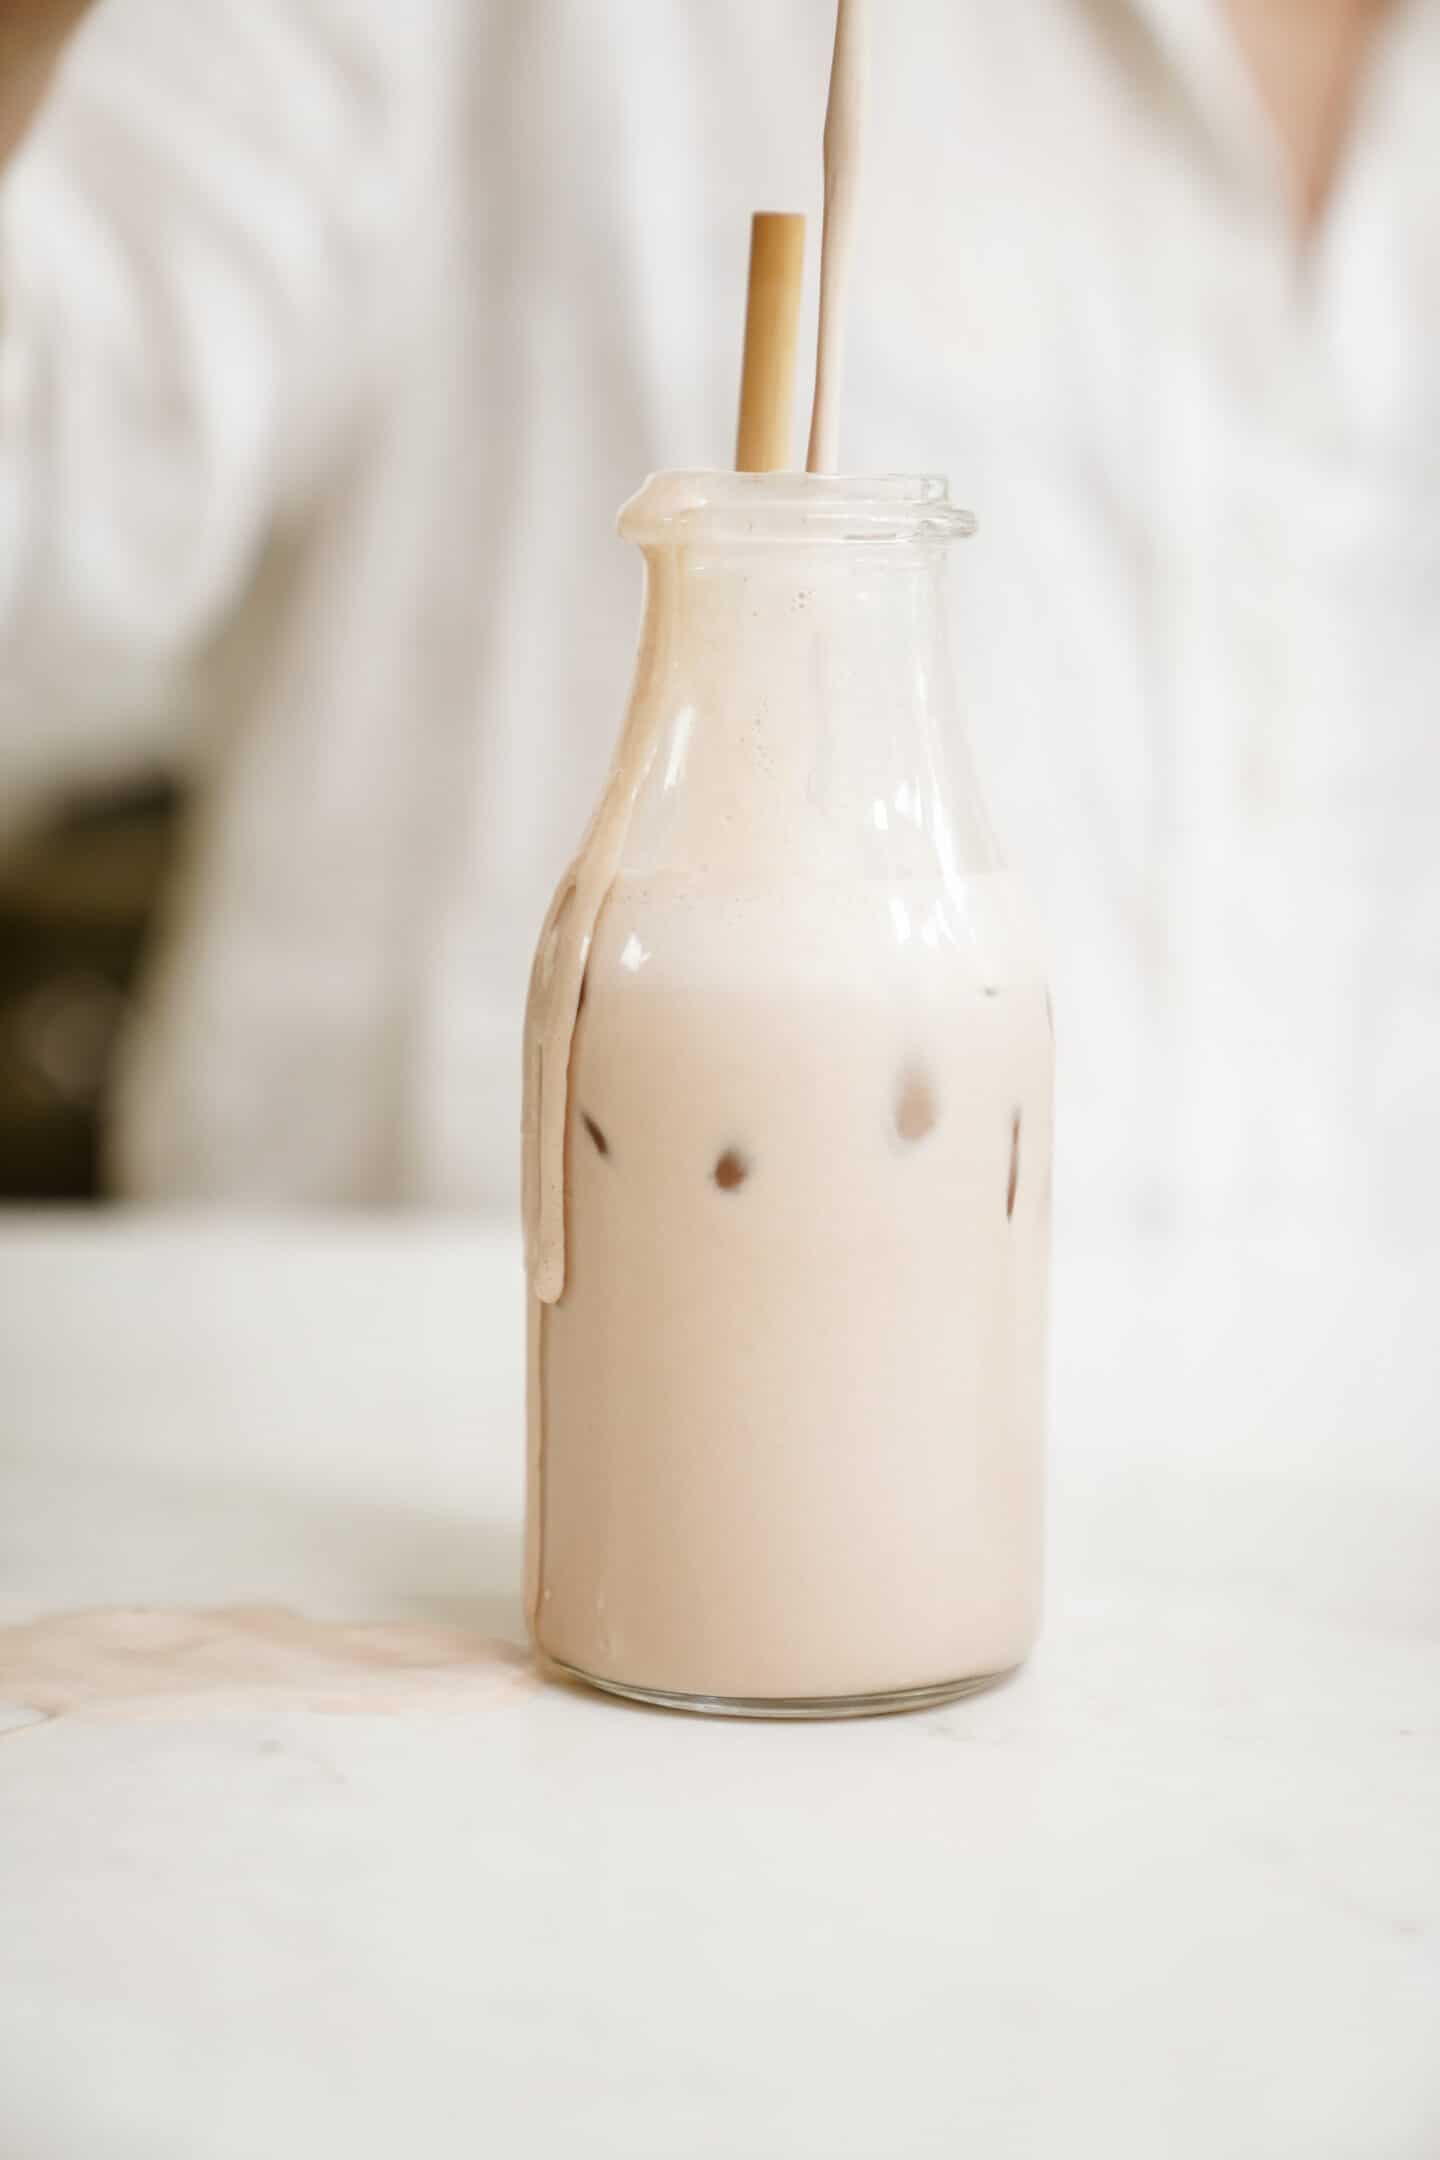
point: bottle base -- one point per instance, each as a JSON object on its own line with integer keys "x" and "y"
{"x": 883, "y": 1704}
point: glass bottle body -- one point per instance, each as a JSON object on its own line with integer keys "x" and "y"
{"x": 787, "y": 1410}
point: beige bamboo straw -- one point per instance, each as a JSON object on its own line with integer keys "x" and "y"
{"x": 844, "y": 127}
{"x": 772, "y": 310}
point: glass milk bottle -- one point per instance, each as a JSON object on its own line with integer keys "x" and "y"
{"x": 788, "y": 1116}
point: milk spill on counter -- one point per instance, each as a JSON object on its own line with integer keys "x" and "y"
{"x": 138, "y": 1664}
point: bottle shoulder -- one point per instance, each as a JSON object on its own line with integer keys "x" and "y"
{"x": 945, "y": 934}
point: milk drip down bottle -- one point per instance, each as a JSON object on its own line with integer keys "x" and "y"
{"x": 788, "y": 1140}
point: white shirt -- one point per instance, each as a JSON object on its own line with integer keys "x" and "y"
{"x": 333, "y": 335}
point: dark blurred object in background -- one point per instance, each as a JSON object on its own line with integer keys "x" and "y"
{"x": 75, "y": 905}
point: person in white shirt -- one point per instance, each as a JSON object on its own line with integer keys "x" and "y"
{"x": 333, "y": 333}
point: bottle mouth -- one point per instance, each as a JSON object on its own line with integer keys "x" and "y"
{"x": 683, "y": 509}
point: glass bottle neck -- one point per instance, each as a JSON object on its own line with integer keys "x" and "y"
{"x": 801, "y": 707}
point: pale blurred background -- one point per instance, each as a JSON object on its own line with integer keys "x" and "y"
{"x": 333, "y": 333}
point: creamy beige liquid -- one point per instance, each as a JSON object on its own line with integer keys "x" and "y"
{"x": 789, "y": 1409}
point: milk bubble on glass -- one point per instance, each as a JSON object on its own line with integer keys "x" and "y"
{"x": 790, "y": 1028}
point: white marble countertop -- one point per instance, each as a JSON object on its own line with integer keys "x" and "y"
{"x": 1170, "y": 1895}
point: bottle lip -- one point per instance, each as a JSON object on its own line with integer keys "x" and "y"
{"x": 682, "y": 509}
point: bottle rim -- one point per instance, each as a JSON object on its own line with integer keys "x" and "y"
{"x": 683, "y": 509}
